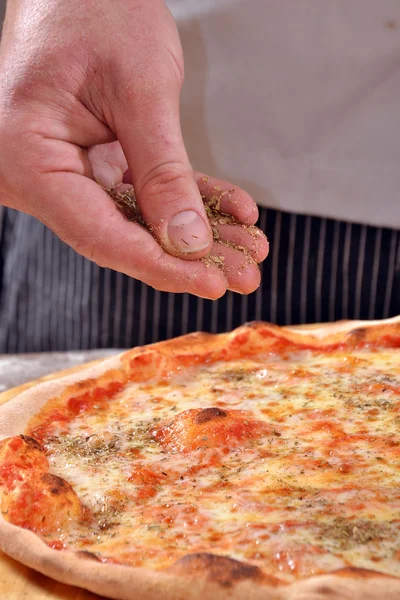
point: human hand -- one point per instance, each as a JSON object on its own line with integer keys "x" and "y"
{"x": 74, "y": 79}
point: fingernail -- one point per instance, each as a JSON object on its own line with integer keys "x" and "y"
{"x": 188, "y": 232}
{"x": 106, "y": 175}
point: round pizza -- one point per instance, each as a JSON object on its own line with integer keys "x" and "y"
{"x": 259, "y": 464}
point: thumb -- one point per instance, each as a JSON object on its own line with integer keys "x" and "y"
{"x": 166, "y": 191}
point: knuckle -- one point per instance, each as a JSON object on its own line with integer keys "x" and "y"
{"x": 94, "y": 243}
{"x": 85, "y": 245}
{"x": 14, "y": 154}
{"x": 170, "y": 181}
{"x": 178, "y": 65}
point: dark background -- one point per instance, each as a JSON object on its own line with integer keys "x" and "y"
{"x": 2, "y": 11}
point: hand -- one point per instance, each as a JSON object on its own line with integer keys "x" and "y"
{"x": 106, "y": 77}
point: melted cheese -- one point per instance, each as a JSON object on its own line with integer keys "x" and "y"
{"x": 292, "y": 465}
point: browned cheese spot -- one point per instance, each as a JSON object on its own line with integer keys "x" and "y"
{"x": 209, "y": 414}
{"x": 201, "y": 428}
{"x": 31, "y": 442}
{"x": 55, "y": 483}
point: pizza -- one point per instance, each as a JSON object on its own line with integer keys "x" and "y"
{"x": 259, "y": 464}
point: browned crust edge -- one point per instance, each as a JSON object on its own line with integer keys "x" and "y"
{"x": 350, "y": 333}
{"x": 202, "y": 576}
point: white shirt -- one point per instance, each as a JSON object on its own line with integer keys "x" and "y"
{"x": 297, "y": 101}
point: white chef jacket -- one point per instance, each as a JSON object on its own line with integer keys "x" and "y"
{"x": 297, "y": 101}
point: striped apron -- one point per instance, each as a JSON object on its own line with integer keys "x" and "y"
{"x": 318, "y": 270}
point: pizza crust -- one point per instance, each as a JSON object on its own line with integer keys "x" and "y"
{"x": 322, "y": 330}
{"x": 200, "y": 576}
{"x": 126, "y": 583}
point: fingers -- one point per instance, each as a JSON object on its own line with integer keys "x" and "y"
{"x": 84, "y": 216}
{"x": 240, "y": 270}
{"x": 110, "y": 168}
{"x": 169, "y": 199}
{"x": 249, "y": 239}
{"x": 232, "y": 200}
{"x": 108, "y": 164}
{"x": 227, "y": 199}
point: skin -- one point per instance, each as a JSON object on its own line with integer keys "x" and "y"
{"x": 89, "y": 95}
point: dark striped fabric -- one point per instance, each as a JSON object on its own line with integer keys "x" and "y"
{"x": 318, "y": 270}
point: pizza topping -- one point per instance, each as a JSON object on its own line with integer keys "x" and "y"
{"x": 209, "y": 414}
{"x": 99, "y": 447}
{"x": 32, "y": 496}
{"x": 213, "y": 427}
{"x": 102, "y": 442}
{"x": 17, "y": 456}
{"x": 349, "y": 533}
{"x": 238, "y": 375}
{"x": 286, "y": 459}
